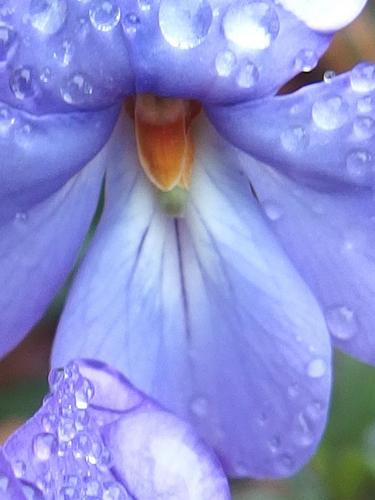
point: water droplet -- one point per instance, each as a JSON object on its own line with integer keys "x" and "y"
{"x": 145, "y": 5}
{"x": 76, "y": 90}
{"x": 45, "y": 75}
{"x": 131, "y": 23}
{"x": 303, "y": 433}
{"x": 22, "y": 83}
{"x": 316, "y": 368}
{"x": 48, "y": 16}
{"x": 342, "y": 322}
{"x": 55, "y": 377}
{"x": 364, "y": 127}
{"x": 225, "y": 62}
{"x": 251, "y": 24}
{"x": 114, "y": 491}
{"x": 359, "y": 164}
{"x": 272, "y": 209}
{"x": 314, "y": 410}
{"x": 104, "y": 15}
{"x": 248, "y": 75}
{"x": 285, "y": 463}
{"x": 293, "y": 390}
{"x": 366, "y": 105}
{"x": 199, "y": 406}
{"x": 19, "y": 468}
{"x": 8, "y": 42}
{"x": 330, "y": 113}
{"x": 329, "y": 76}
{"x": 362, "y": 77}
{"x": 84, "y": 392}
{"x": 306, "y": 60}
{"x": 7, "y": 120}
{"x": 294, "y": 139}
{"x": 44, "y": 445}
{"x": 30, "y": 491}
{"x": 21, "y": 217}
{"x": 185, "y": 23}
{"x": 64, "y": 53}
{"x": 274, "y": 444}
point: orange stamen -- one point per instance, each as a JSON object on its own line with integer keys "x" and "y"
{"x": 164, "y": 141}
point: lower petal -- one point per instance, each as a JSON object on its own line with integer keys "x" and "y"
{"x": 205, "y": 313}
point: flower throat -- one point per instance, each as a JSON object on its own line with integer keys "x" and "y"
{"x": 165, "y": 146}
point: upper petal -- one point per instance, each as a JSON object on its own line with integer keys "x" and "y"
{"x": 325, "y": 15}
{"x": 330, "y": 237}
{"x": 77, "y": 447}
{"x": 206, "y": 314}
{"x": 81, "y": 55}
{"x": 322, "y": 134}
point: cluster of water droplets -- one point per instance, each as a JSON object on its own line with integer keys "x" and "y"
{"x": 349, "y": 112}
{"x": 69, "y": 456}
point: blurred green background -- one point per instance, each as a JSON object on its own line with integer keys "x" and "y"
{"x": 344, "y": 467}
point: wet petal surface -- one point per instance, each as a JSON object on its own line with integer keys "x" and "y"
{"x": 322, "y": 135}
{"x": 218, "y": 333}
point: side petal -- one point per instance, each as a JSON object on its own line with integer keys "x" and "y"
{"x": 205, "y": 314}
{"x": 322, "y": 134}
{"x": 39, "y": 154}
{"x": 330, "y": 236}
{"x": 325, "y": 15}
{"x": 77, "y": 447}
{"x": 38, "y": 249}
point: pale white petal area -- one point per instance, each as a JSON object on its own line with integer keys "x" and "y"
{"x": 325, "y": 15}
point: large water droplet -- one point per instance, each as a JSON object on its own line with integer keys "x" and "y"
{"x": 251, "y": 24}
{"x": 76, "y": 90}
{"x": 306, "y": 60}
{"x": 104, "y": 15}
{"x": 342, "y": 322}
{"x": 362, "y": 77}
{"x": 185, "y": 23}
{"x": 48, "y": 16}
{"x": 330, "y": 113}
{"x": 364, "y": 127}
{"x": 44, "y": 445}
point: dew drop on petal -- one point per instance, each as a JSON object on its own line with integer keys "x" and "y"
{"x": 329, "y": 76}
{"x": 22, "y": 83}
{"x": 364, "y": 127}
{"x": 360, "y": 164}
{"x": 251, "y": 24}
{"x": 272, "y": 209}
{"x": 294, "y": 139}
{"x": 342, "y": 322}
{"x": 316, "y": 368}
{"x": 362, "y": 77}
{"x": 330, "y": 113}
{"x": 131, "y": 22}
{"x": 225, "y": 62}
{"x": 306, "y": 60}
{"x": 104, "y": 15}
{"x": 248, "y": 75}
{"x": 44, "y": 446}
{"x": 185, "y": 23}
{"x": 76, "y": 89}
{"x": 19, "y": 468}
{"x": 48, "y": 16}
{"x": 366, "y": 105}
{"x": 199, "y": 406}
{"x": 4, "y": 482}
{"x": 8, "y": 41}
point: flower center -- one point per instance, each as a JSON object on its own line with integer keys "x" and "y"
{"x": 165, "y": 146}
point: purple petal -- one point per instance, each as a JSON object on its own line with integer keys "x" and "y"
{"x": 204, "y": 313}
{"x": 38, "y": 154}
{"x": 10, "y": 489}
{"x": 325, "y": 15}
{"x": 322, "y": 135}
{"x": 78, "y": 447}
{"x": 86, "y": 57}
{"x": 330, "y": 236}
{"x": 38, "y": 249}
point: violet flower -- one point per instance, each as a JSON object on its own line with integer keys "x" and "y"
{"x": 97, "y": 437}
{"x": 221, "y": 313}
